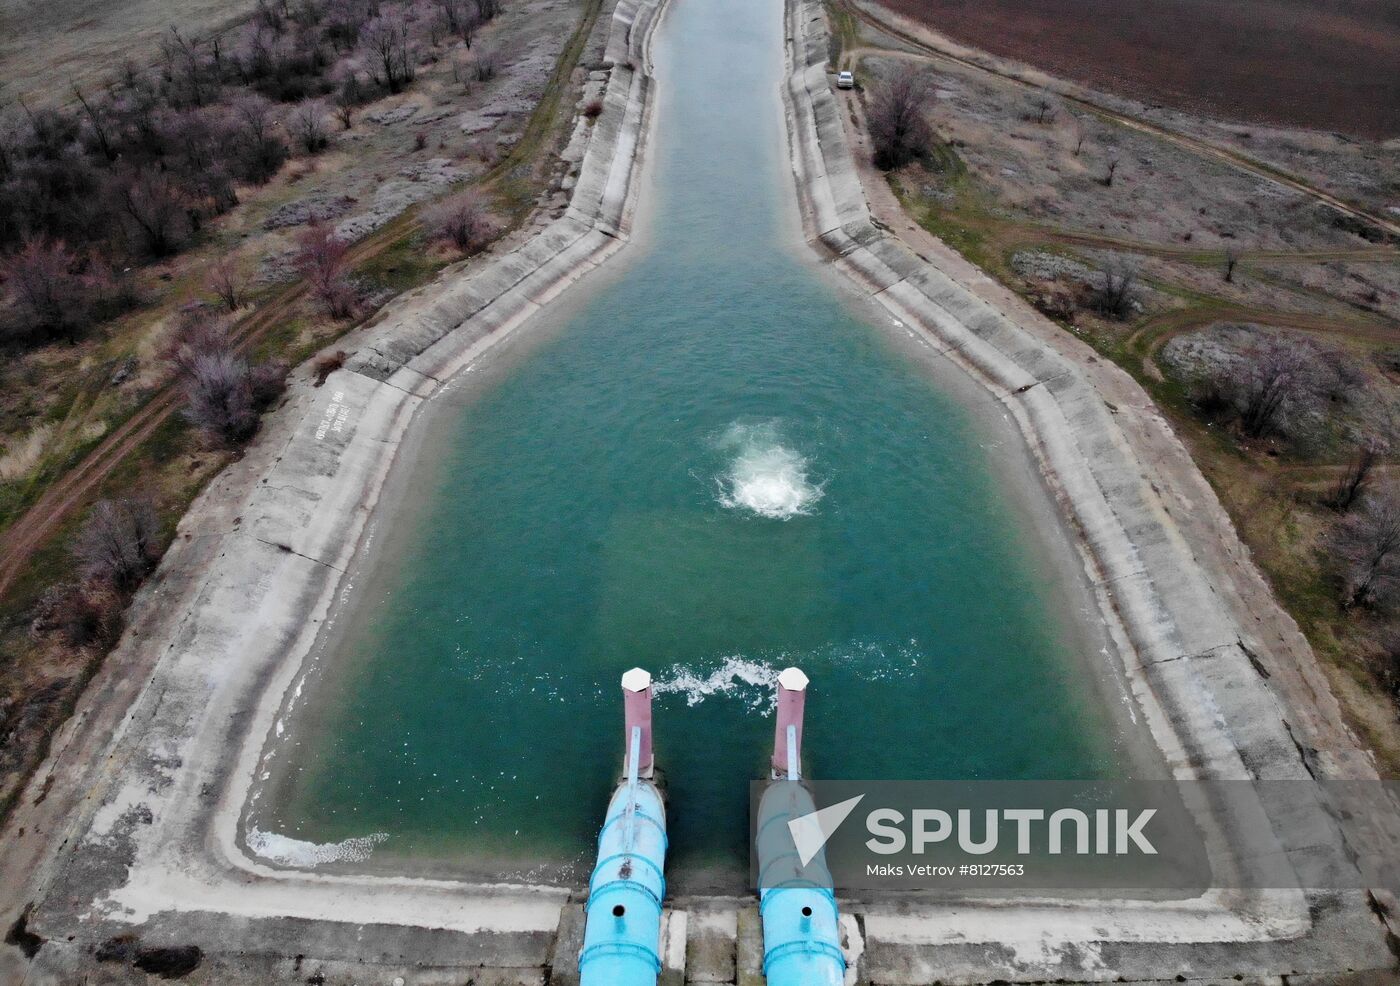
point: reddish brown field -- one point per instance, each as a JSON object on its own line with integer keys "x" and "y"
{"x": 1319, "y": 64}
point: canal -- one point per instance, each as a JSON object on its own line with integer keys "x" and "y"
{"x": 712, "y": 461}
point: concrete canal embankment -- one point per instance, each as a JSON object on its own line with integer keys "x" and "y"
{"x": 153, "y": 849}
{"x": 1190, "y": 626}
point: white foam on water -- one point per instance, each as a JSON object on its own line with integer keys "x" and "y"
{"x": 765, "y": 477}
{"x": 752, "y": 681}
{"x": 298, "y": 852}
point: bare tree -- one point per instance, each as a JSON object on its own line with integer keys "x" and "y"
{"x": 1232, "y": 259}
{"x": 117, "y": 542}
{"x": 259, "y": 151}
{"x": 1044, "y": 111}
{"x": 1369, "y": 542}
{"x": 1115, "y": 294}
{"x": 100, "y": 126}
{"x": 1352, "y": 484}
{"x": 321, "y": 259}
{"x": 898, "y": 129}
{"x": 228, "y": 283}
{"x": 186, "y": 68}
{"x": 1112, "y": 170}
{"x": 488, "y": 9}
{"x": 1277, "y": 378}
{"x": 155, "y": 207}
{"x": 385, "y": 40}
{"x": 347, "y": 97}
{"x": 344, "y": 18}
{"x": 1079, "y": 136}
{"x": 308, "y": 126}
{"x": 461, "y": 17}
{"x": 462, "y": 220}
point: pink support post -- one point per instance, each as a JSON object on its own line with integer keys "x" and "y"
{"x": 792, "y": 698}
{"x": 636, "y": 705}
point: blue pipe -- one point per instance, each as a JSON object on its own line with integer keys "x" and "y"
{"x": 622, "y": 932}
{"x": 801, "y": 933}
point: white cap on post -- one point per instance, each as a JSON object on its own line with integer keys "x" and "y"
{"x": 792, "y": 699}
{"x": 636, "y": 707}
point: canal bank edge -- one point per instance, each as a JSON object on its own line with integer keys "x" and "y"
{"x": 1183, "y": 624}
{"x": 146, "y": 787}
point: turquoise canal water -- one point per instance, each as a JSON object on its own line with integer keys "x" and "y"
{"x": 712, "y": 463}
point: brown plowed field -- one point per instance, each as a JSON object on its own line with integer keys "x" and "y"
{"x": 1319, "y": 64}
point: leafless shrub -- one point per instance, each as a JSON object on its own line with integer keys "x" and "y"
{"x": 50, "y": 291}
{"x": 219, "y": 396}
{"x": 1369, "y": 546}
{"x": 79, "y": 615}
{"x": 488, "y": 10}
{"x": 1115, "y": 295}
{"x": 228, "y": 283}
{"x": 321, "y": 259}
{"x": 485, "y": 66}
{"x": 593, "y": 109}
{"x": 117, "y": 543}
{"x": 1353, "y": 483}
{"x": 223, "y": 393}
{"x": 309, "y": 127}
{"x": 464, "y": 221}
{"x": 898, "y": 130}
{"x": 1042, "y": 111}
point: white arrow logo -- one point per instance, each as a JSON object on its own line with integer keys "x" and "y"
{"x": 811, "y": 831}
